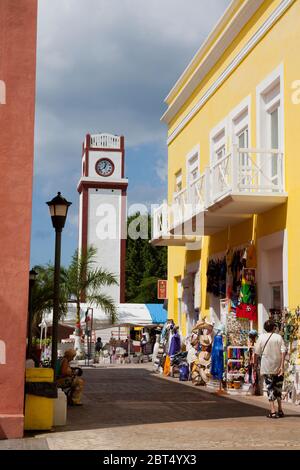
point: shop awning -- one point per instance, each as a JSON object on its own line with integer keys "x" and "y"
{"x": 127, "y": 314}
{"x": 157, "y": 312}
{"x": 141, "y": 314}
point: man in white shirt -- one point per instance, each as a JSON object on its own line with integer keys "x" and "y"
{"x": 270, "y": 346}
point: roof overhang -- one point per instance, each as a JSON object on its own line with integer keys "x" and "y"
{"x": 230, "y": 210}
{"x": 173, "y": 240}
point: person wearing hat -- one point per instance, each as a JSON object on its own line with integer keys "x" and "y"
{"x": 67, "y": 378}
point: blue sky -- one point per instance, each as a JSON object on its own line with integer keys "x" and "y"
{"x": 106, "y": 66}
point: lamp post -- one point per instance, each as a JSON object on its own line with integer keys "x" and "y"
{"x": 89, "y": 314}
{"x": 32, "y": 278}
{"x": 58, "y": 207}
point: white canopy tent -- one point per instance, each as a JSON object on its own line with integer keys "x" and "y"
{"x": 127, "y": 315}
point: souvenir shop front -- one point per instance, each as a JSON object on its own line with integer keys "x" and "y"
{"x": 232, "y": 281}
{"x": 231, "y": 287}
{"x": 219, "y": 350}
{"x": 220, "y": 357}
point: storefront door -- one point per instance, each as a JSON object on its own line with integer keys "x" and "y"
{"x": 270, "y": 285}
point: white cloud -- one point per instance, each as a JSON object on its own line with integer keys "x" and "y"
{"x": 161, "y": 169}
{"x": 106, "y": 65}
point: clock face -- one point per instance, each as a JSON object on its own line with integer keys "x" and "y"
{"x": 105, "y": 167}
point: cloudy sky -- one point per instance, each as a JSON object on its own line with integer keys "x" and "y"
{"x": 106, "y": 66}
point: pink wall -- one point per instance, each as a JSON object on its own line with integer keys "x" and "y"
{"x": 17, "y": 69}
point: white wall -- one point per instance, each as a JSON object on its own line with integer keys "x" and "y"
{"x": 104, "y": 232}
{"x": 116, "y": 158}
{"x": 80, "y": 222}
{"x": 269, "y": 270}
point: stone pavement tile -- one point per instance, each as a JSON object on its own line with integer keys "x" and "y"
{"x": 181, "y": 436}
{"x": 24, "y": 444}
{"x": 130, "y": 407}
{"x": 260, "y": 401}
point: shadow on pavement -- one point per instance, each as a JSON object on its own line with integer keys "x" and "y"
{"x": 123, "y": 397}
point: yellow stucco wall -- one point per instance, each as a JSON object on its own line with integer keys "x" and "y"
{"x": 279, "y": 46}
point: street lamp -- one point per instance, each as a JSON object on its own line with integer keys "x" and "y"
{"x": 89, "y": 314}
{"x": 32, "y": 278}
{"x": 58, "y": 208}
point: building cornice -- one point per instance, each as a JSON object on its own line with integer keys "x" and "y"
{"x": 253, "y": 41}
{"x": 223, "y": 34}
{"x": 92, "y": 183}
{"x": 204, "y": 48}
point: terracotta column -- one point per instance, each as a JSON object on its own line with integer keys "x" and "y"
{"x": 18, "y": 25}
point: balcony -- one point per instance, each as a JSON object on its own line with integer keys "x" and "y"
{"x": 162, "y": 235}
{"x": 244, "y": 182}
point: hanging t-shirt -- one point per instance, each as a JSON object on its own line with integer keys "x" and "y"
{"x": 246, "y": 311}
{"x": 247, "y": 293}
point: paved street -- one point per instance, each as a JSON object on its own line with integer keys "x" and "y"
{"x": 129, "y": 407}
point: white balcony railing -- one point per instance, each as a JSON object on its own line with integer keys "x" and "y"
{"x": 106, "y": 141}
{"x": 241, "y": 171}
{"x": 197, "y": 193}
{"x": 246, "y": 170}
{"x": 160, "y": 220}
{"x": 181, "y": 198}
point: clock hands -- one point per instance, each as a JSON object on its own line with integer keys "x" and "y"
{"x": 104, "y": 167}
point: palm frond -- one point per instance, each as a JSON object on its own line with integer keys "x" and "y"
{"x": 106, "y": 303}
{"x": 99, "y": 278}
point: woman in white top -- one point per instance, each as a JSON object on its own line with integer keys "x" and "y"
{"x": 270, "y": 346}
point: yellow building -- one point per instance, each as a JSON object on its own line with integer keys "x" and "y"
{"x": 233, "y": 121}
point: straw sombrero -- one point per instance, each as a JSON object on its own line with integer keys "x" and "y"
{"x": 202, "y": 325}
{"x": 204, "y": 374}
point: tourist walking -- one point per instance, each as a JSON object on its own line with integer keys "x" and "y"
{"x": 271, "y": 348}
{"x": 98, "y": 345}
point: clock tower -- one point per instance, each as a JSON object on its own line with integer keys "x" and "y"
{"x": 102, "y": 206}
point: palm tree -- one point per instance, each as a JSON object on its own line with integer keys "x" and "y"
{"x": 85, "y": 282}
{"x": 42, "y": 294}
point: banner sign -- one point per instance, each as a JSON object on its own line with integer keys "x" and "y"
{"x": 162, "y": 289}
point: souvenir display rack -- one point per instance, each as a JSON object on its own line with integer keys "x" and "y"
{"x": 237, "y": 363}
{"x": 236, "y": 351}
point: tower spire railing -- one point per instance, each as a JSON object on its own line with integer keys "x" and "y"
{"x": 106, "y": 141}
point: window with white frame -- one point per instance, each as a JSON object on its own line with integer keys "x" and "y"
{"x": 178, "y": 181}
{"x": 270, "y": 129}
{"x": 276, "y": 295}
{"x": 240, "y": 138}
{"x": 193, "y": 172}
{"x": 193, "y": 168}
{"x": 240, "y": 127}
{"x": 271, "y": 109}
{"x": 220, "y": 164}
{"x": 219, "y": 145}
